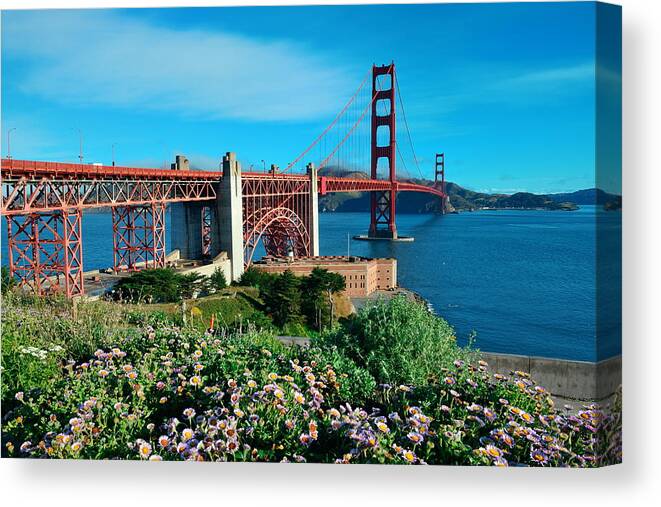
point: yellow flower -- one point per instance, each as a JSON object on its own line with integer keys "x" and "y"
{"x": 187, "y": 434}
{"x": 196, "y": 380}
{"x": 409, "y": 456}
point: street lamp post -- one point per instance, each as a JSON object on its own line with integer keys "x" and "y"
{"x": 113, "y": 154}
{"x": 9, "y": 142}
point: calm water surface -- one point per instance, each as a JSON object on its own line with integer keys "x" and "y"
{"x": 522, "y": 281}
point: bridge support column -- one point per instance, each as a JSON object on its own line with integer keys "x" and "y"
{"x": 187, "y": 229}
{"x": 46, "y": 250}
{"x": 230, "y": 214}
{"x": 313, "y": 215}
{"x": 138, "y": 237}
{"x": 190, "y": 223}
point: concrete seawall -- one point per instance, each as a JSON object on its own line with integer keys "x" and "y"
{"x": 567, "y": 379}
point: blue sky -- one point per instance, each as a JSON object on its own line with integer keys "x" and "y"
{"x": 507, "y": 91}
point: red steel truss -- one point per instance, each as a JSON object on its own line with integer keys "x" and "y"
{"x": 22, "y": 196}
{"x": 138, "y": 237}
{"x": 276, "y": 210}
{"x": 207, "y": 219}
{"x": 45, "y": 251}
{"x": 43, "y": 204}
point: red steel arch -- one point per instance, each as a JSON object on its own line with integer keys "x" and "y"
{"x": 281, "y": 231}
{"x": 276, "y": 211}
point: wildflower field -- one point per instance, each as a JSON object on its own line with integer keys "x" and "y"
{"x": 389, "y": 385}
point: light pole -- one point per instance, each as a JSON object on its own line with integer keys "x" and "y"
{"x": 264, "y": 165}
{"x": 80, "y": 147}
{"x": 113, "y": 154}
{"x": 9, "y": 142}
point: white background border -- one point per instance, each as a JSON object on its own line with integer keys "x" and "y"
{"x": 636, "y": 482}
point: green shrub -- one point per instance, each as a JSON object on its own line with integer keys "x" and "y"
{"x": 253, "y": 277}
{"x": 398, "y": 342}
{"x": 7, "y": 282}
{"x": 217, "y": 280}
{"x": 150, "y": 286}
{"x": 230, "y": 313}
{"x": 162, "y": 285}
{"x": 192, "y": 285}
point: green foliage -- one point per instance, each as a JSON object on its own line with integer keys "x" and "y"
{"x": 162, "y": 285}
{"x": 253, "y": 277}
{"x": 293, "y": 301}
{"x": 149, "y": 285}
{"x": 40, "y": 334}
{"x": 248, "y": 397}
{"x": 398, "y": 342}
{"x": 192, "y": 285}
{"x": 283, "y": 299}
{"x": 217, "y": 280}
{"x": 7, "y": 282}
{"x": 230, "y": 313}
{"x": 319, "y": 288}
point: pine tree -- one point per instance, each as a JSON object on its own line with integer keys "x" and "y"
{"x": 283, "y": 299}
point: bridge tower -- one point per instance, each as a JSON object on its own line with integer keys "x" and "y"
{"x": 382, "y": 203}
{"x": 440, "y": 171}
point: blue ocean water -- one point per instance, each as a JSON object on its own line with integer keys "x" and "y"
{"x": 523, "y": 281}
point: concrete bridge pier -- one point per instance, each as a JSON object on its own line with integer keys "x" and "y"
{"x": 313, "y": 225}
{"x": 186, "y": 221}
{"x": 229, "y": 210}
{"x": 186, "y": 227}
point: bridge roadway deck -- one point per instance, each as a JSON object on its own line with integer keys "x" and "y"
{"x": 32, "y": 170}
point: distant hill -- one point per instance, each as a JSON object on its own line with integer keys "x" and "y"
{"x": 586, "y": 196}
{"x": 461, "y": 199}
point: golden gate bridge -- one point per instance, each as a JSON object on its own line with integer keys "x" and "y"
{"x": 211, "y": 211}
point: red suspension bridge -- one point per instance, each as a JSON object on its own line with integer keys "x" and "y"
{"x": 229, "y": 211}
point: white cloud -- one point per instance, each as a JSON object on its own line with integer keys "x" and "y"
{"x": 546, "y": 79}
{"x": 99, "y": 57}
